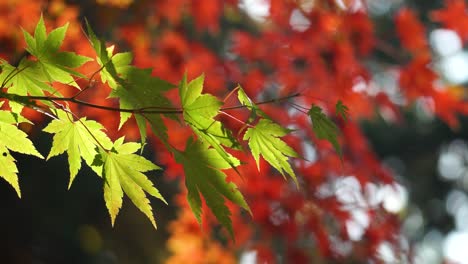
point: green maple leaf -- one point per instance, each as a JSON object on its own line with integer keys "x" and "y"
{"x": 16, "y": 140}
{"x": 324, "y": 127}
{"x": 203, "y": 175}
{"x": 342, "y": 110}
{"x": 78, "y": 138}
{"x": 199, "y": 113}
{"x": 113, "y": 65}
{"x": 140, "y": 90}
{"x": 12, "y": 138}
{"x": 116, "y": 64}
{"x": 135, "y": 88}
{"x": 245, "y": 100}
{"x": 264, "y": 139}
{"x": 8, "y": 169}
{"x": 56, "y": 65}
{"x": 123, "y": 172}
{"x": 99, "y": 47}
{"x": 26, "y": 79}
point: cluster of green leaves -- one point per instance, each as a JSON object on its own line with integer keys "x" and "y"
{"x": 141, "y": 96}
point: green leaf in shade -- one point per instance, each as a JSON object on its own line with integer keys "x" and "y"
{"x": 324, "y": 127}
{"x": 199, "y": 113}
{"x": 140, "y": 90}
{"x": 123, "y": 172}
{"x": 98, "y": 45}
{"x": 12, "y": 138}
{"x": 56, "y": 65}
{"x": 78, "y": 138}
{"x": 264, "y": 139}
{"x": 203, "y": 175}
{"x": 342, "y": 110}
{"x": 120, "y": 63}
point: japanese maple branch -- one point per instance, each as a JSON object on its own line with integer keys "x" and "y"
{"x": 146, "y": 110}
{"x": 275, "y": 100}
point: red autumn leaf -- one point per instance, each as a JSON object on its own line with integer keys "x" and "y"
{"x": 207, "y": 14}
{"x": 417, "y": 78}
{"x": 454, "y": 16}
{"x": 410, "y": 31}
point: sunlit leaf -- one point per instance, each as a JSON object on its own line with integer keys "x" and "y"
{"x": 12, "y": 138}
{"x": 78, "y": 138}
{"x": 265, "y": 139}
{"x": 245, "y": 100}
{"x": 56, "y": 65}
{"x": 123, "y": 172}
{"x": 199, "y": 113}
{"x": 26, "y": 79}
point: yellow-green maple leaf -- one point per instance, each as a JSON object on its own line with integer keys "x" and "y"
{"x": 123, "y": 172}
{"x": 199, "y": 111}
{"x": 78, "y": 138}
{"x": 55, "y": 65}
{"x": 264, "y": 139}
{"x": 14, "y": 139}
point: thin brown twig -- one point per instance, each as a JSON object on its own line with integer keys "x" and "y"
{"x": 148, "y": 110}
{"x": 89, "y": 82}
{"x": 235, "y": 118}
